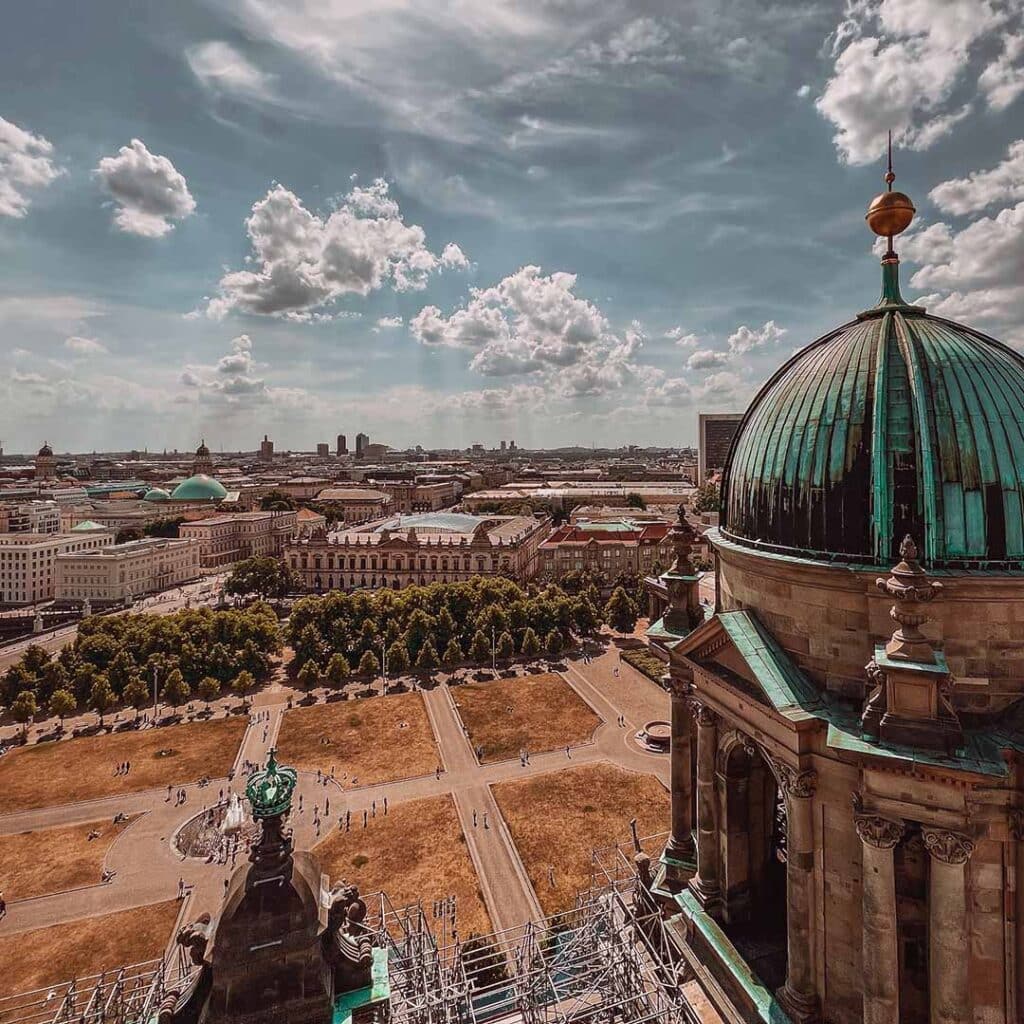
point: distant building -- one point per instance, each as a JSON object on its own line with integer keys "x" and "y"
{"x": 323, "y": 450}
{"x": 606, "y": 546}
{"x": 113, "y": 574}
{"x": 362, "y": 440}
{"x": 357, "y": 504}
{"x": 202, "y": 464}
{"x": 715, "y": 431}
{"x": 266, "y": 449}
{"x": 504, "y": 446}
{"x": 27, "y": 561}
{"x": 30, "y": 517}
{"x": 46, "y": 463}
{"x": 374, "y": 451}
{"x": 410, "y": 496}
{"x": 224, "y": 540}
{"x": 342, "y": 445}
{"x": 440, "y": 547}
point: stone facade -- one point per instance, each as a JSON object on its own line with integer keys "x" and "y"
{"x": 224, "y": 540}
{"x": 27, "y": 562}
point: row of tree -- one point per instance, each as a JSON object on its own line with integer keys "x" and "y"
{"x": 446, "y": 624}
{"x": 122, "y": 659}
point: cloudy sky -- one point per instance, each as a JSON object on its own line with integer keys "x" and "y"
{"x": 559, "y": 221}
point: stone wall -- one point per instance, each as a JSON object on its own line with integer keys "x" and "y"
{"x": 829, "y": 617}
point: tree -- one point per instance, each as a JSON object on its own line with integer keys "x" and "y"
{"x": 137, "y": 693}
{"x": 54, "y": 677}
{"x": 243, "y": 682}
{"x": 101, "y": 697}
{"x": 309, "y": 675}
{"x": 398, "y": 658}
{"x": 426, "y": 660}
{"x": 24, "y": 708}
{"x": 175, "y": 690}
{"x": 277, "y": 501}
{"x": 553, "y": 644}
{"x": 707, "y": 498}
{"x": 337, "y": 671}
{"x": 634, "y": 500}
{"x": 120, "y": 671}
{"x": 585, "y": 619}
{"x": 308, "y": 646}
{"x": 483, "y": 962}
{"x": 530, "y": 646}
{"x": 208, "y": 689}
{"x": 452, "y": 653}
{"x": 368, "y": 664}
{"x": 15, "y": 680}
{"x": 265, "y": 577}
{"x": 127, "y": 533}
{"x": 506, "y": 647}
{"x": 480, "y": 647}
{"x": 62, "y": 703}
{"x": 621, "y": 611}
{"x": 163, "y": 527}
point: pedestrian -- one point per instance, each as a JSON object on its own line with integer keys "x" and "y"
{"x": 181, "y": 888}
{"x": 348, "y": 818}
{"x": 385, "y": 805}
{"x": 364, "y": 818}
{"x": 327, "y": 807}
{"x": 485, "y": 820}
{"x": 474, "y": 818}
{"x": 567, "y": 754}
{"x": 374, "y": 806}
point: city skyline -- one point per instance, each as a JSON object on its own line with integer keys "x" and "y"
{"x": 563, "y": 223}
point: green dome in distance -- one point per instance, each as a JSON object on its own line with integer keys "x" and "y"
{"x": 156, "y": 494}
{"x": 199, "y": 488}
{"x": 269, "y": 791}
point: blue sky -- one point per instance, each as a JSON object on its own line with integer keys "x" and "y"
{"x": 565, "y": 221}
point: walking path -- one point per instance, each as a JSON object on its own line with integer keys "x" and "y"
{"x": 147, "y": 868}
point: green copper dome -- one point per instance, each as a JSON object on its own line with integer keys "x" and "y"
{"x": 156, "y": 494}
{"x": 199, "y": 488}
{"x": 896, "y": 423}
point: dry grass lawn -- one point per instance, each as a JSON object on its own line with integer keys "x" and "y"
{"x": 559, "y": 818}
{"x": 535, "y": 713}
{"x": 366, "y": 742}
{"x": 55, "y": 859}
{"x": 415, "y": 852}
{"x": 82, "y": 769}
{"x": 48, "y": 956}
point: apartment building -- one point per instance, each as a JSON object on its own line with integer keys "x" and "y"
{"x": 224, "y": 540}
{"x": 30, "y": 517}
{"x": 120, "y": 572}
{"x": 27, "y": 561}
{"x": 609, "y": 547}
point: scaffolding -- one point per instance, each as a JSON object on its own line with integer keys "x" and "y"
{"x": 608, "y": 960}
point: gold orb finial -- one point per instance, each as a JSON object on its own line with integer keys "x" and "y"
{"x": 890, "y": 213}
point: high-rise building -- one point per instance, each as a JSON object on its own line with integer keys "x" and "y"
{"x": 342, "y": 445}
{"x": 715, "y": 431}
{"x": 504, "y": 446}
{"x": 323, "y": 450}
{"x": 266, "y": 449}
{"x": 362, "y": 440}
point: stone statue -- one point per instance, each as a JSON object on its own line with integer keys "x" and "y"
{"x": 194, "y": 938}
{"x": 348, "y": 943}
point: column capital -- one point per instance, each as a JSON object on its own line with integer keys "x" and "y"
{"x": 703, "y": 715}
{"x": 679, "y": 688}
{"x": 948, "y": 846}
{"x": 881, "y": 833}
{"x": 798, "y": 784}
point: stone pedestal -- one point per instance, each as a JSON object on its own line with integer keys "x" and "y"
{"x": 880, "y": 964}
{"x": 948, "y": 935}
{"x": 705, "y": 884}
{"x": 799, "y": 995}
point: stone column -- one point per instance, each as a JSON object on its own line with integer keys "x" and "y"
{"x": 680, "y": 844}
{"x": 705, "y": 884}
{"x": 799, "y": 995}
{"x": 948, "y": 937}
{"x": 879, "y": 964}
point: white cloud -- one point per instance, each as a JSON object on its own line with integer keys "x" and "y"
{"x": 305, "y": 262}
{"x": 386, "y": 322}
{"x": 233, "y": 378}
{"x": 149, "y": 191}
{"x": 1003, "y": 183}
{"x": 745, "y": 339}
{"x": 1003, "y": 80}
{"x": 898, "y": 64}
{"x": 706, "y": 359}
{"x": 85, "y": 346}
{"x": 220, "y": 66}
{"x": 804, "y": 91}
{"x": 682, "y": 337}
{"x": 25, "y": 163}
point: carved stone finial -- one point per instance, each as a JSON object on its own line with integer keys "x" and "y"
{"x": 948, "y": 846}
{"x": 684, "y": 610}
{"x": 911, "y": 590}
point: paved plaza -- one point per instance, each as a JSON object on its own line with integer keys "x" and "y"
{"x": 143, "y": 865}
